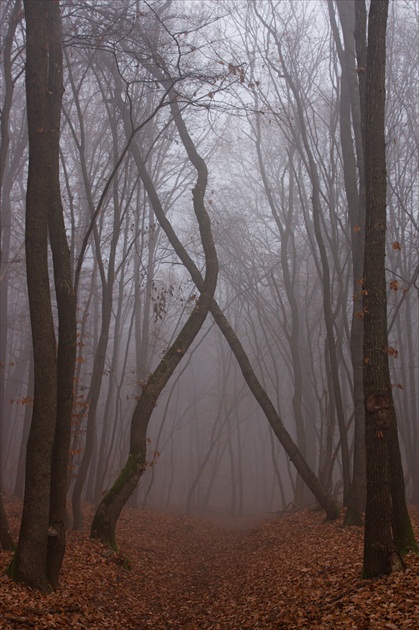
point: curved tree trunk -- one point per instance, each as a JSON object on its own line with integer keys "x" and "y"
{"x": 303, "y": 146}
{"x": 239, "y": 352}
{"x": 326, "y": 502}
{"x": 108, "y": 511}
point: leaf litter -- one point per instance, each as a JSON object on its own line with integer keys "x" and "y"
{"x": 177, "y": 571}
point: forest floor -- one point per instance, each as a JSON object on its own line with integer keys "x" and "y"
{"x": 176, "y": 571}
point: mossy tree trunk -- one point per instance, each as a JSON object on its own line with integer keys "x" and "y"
{"x": 255, "y": 386}
{"x": 107, "y": 514}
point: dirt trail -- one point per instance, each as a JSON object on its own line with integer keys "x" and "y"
{"x": 175, "y": 571}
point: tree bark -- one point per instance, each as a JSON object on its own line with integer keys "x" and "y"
{"x": 5, "y": 233}
{"x": 381, "y": 554}
{"x": 303, "y": 146}
{"x": 66, "y": 306}
{"x": 29, "y": 562}
{"x": 326, "y": 502}
{"x": 108, "y": 511}
{"x": 6, "y": 539}
{"x": 353, "y": 166}
{"x": 294, "y": 334}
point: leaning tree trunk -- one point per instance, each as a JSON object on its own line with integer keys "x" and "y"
{"x": 294, "y": 333}
{"x": 255, "y": 386}
{"x": 305, "y": 150}
{"x": 108, "y": 511}
{"x": 30, "y": 561}
{"x": 92, "y": 402}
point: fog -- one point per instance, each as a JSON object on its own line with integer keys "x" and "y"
{"x": 259, "y": 91}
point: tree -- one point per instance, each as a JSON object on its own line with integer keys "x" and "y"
{"x": 66, "y": 309}
{"x": 41, "y": 544}
{"x": 239, "y": 352}
{"x": 6, "y": 540}
{"x": 12, "y": 11}
{"x": 269, "y": 142}
{"x": 101, "y": 64}
{"x": 107, "y": 514}
{"x": 29, "y": 563}
{"x": 387, "y": 524}
{"x": 353, "y": 170}
{"x": 292, "y": 84}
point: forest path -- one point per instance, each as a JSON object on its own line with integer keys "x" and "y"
{"x": 295, "y": 571}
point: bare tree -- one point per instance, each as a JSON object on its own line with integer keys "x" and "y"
{"x": 353, "y": 169}
{"x": 388, "y": 530}
{"x": 30, "y": 561}
{"x": 66, "y": 308}
{"x": 41, "y": 544}
{"x": 237, "y": 348}
{"x": 11, "y": 14}
{"x": 107, "y": 514}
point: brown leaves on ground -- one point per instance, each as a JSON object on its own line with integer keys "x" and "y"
{"x": 175, "y": 571}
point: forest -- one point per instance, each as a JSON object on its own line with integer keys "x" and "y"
{"x": 209, "y": 310}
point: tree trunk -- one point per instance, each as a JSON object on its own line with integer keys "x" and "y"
{"x": 66, "y": 306}
{"x": 5, "y": 233}
{"x": 92, "y": 403}
{"x": 379, "y": 549}
{"x": 294, "y": 334}
{"x": 19, "y": 489}
{"x": 303, "y": 145}
{"x": 353, "y": 165}
{"x": 29, "y": 562}
{"x": 107, "y": 514}
{"x": 107, "y": 280}
{"x": 6, "y": 539}
{"x": 381, "y": 554}
{"x": 326, "y": 502}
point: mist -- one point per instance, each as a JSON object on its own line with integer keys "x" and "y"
{"x": 210, "y": 175}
